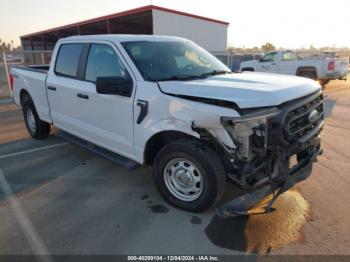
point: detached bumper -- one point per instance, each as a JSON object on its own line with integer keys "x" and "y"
{"x": 241, "y": 205}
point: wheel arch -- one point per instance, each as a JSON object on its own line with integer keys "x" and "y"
{"x": 302, "y": 69}
{"x": 24, "y": 96}
{"x": 161, "y": 139}
{"x": 248, "y": 69}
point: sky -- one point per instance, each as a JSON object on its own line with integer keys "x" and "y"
{"x": 285, "y": 23}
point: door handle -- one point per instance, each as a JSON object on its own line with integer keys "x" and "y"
{"x": 83, "y": 96}
{"x": 273, "y": 64}
{"x": 52, "y": 88}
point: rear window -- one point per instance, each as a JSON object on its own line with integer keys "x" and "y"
{"x": 68, "y": 60}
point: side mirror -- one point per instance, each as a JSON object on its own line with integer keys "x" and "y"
{"x": 260, "y": 60}
{"x": 114, "y": 86}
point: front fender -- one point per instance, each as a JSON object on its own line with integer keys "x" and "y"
{"x": 169, "y": 113}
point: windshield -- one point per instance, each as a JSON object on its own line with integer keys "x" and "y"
{"x": 161, "y": 61}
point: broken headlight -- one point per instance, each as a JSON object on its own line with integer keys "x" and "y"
{"x": 249, "y": 132}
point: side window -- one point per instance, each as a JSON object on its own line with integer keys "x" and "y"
{"x": 289, "y": 56}
{"x": 271, "y": 57}
{"x": 104, "y": 62}
{"x": 68, "y": 60}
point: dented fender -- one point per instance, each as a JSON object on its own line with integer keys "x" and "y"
{"x": 205, "y": 116}
{"x": 178, "y": 114}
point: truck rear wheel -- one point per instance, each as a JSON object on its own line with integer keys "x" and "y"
{"x": 37, "y": 128}
{"x": 308, "y": 74}
{"x": 189, "y": 175}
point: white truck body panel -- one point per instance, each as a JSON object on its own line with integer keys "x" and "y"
{"x": 34, "y": 83}
{"x": 168, "y": 113}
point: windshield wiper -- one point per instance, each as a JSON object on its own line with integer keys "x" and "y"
{"x": 215, "y": 72}
{"x": 180, "y": 78}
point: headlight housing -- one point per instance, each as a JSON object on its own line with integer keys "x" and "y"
{"x": 249, "y": 132}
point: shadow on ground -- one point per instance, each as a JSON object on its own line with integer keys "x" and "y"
{"x": 31, "y": 170}
{"x": 262, "y": 233}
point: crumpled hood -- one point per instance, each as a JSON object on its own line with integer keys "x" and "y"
{"x": 247, "y": 90}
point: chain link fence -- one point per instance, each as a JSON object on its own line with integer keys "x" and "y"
{"x": 19, "y": 58}
{"x": 233, "y": 60}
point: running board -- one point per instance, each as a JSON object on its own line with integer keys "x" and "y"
{"x": 120, "y": 160}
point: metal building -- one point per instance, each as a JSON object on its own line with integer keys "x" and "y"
{"x": 209, "y": 33}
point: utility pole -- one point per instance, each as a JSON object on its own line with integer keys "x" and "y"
{"x": 7, "y": 72}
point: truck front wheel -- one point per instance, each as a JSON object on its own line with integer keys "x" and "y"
{"x": 189, "y": 175}
{"x": 37, "y": 128}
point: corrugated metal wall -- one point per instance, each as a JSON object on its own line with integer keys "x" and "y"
{"x": 211, "y": 36}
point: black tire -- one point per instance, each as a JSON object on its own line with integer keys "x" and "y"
{"x": 41, "y": 129}
{"x": 210, "y": 168}
{"x": 248, "y": 69}
{"x": 308, "y": 74}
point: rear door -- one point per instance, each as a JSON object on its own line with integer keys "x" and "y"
{"x": 268, "y": 63}
{"x": 62, "y": 85}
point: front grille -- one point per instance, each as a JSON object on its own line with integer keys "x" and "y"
{"x": 303, "y": 119}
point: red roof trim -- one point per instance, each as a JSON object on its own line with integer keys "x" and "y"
{"x": 125, "y": 13}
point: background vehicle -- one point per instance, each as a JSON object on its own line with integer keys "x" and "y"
{"x": 166, "y": 102}
{"x": 319, "y": 68}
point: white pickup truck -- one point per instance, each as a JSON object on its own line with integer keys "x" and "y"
{"x": 166, "y": 102}
{"x": 290, "y": 63}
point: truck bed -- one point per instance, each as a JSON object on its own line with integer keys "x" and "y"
{"x": 33, "y": 80}
{"x": 34, "y": 68}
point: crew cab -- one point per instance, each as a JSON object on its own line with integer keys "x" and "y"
{"x": 323, "y": 69}
{"x": 167, "y": 103}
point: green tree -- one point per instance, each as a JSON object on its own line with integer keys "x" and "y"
{"x": 7, "y": 47}
{"x": 268, "y": 47}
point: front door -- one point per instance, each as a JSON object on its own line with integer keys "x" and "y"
{"x": 109, "y": 118}
{"x": 268, "y": 63}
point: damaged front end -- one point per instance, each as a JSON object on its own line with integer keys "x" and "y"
{"x": 265, "y": 142}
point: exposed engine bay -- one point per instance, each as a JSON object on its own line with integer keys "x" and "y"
{"x": 264, "y": 142}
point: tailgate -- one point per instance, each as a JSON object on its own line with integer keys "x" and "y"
{"x": 342, "y": 65}
{"x": 338, "y": 66}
